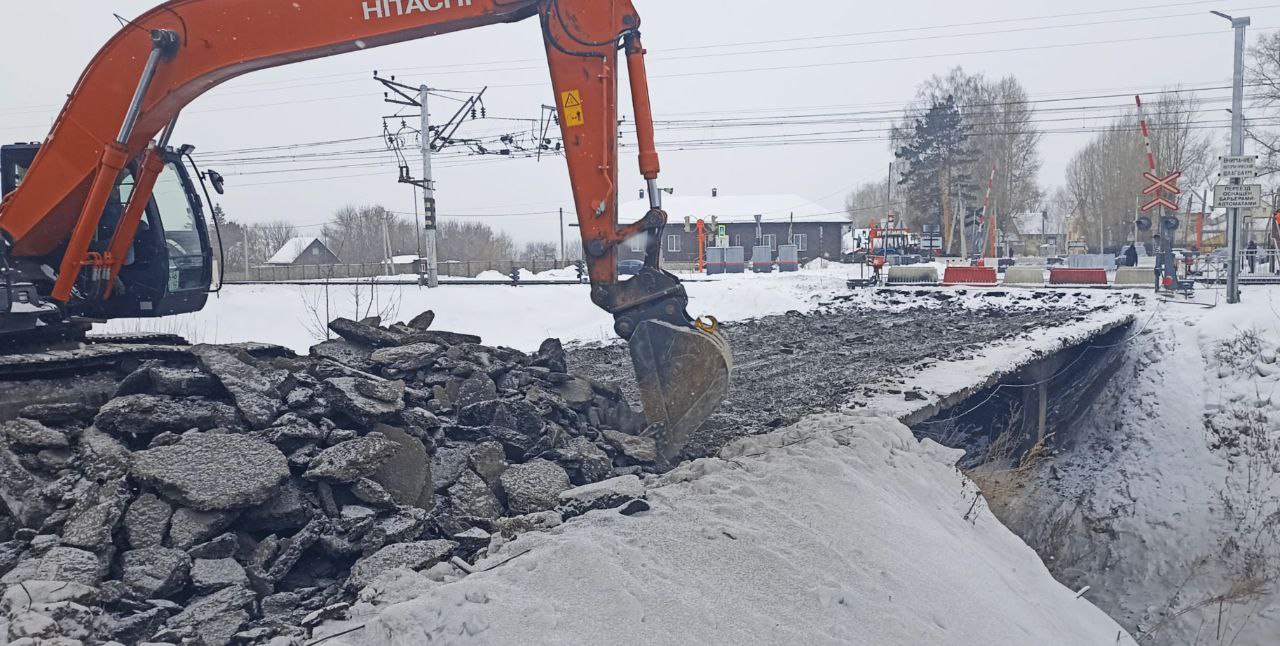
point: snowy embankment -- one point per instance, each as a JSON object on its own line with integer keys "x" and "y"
{"x": 1166, "y": 498}
{"x": 517, "y": 317}
{"x": 839, "y": 530}
{"x": 946, "y": 384}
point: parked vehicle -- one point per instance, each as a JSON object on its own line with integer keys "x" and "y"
{"x": 630, "y": 267}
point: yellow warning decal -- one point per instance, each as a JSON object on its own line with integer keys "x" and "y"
{"x": 572, "y": 101}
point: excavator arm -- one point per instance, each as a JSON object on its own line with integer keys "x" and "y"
{"x": 136, "y": 86}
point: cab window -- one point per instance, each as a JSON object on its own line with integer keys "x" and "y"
{"x": 181, "y": 234}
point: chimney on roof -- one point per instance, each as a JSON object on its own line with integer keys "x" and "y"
{"x": 715, "y": 192}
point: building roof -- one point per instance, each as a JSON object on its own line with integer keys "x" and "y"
{"x": 289, "y": 252}
{"x": 732, "y": 209}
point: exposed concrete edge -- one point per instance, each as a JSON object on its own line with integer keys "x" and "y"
{"x": 948, "y": 383}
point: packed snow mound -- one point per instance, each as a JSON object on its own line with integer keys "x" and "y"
{"x": 1167, "y": 495}
{"x": 839, "y": 530}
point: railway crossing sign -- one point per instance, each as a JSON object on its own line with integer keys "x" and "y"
{"x": 1157, "y": 187}
{"x": 1169, "y": 183}
{"x": 1159, "y": 201}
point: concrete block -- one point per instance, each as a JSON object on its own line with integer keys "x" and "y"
{"x": 911, "y": 276}
{"x": 976, "y": 276}
{"x": 1027, "y": 276}
{"x": 1135, "y": 277}
{"x": 1092, "y": 276}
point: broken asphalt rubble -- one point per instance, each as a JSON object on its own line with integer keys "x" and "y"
{"x": 233, "y": 498}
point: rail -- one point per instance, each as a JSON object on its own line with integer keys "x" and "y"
{"x": 346, "y": 271}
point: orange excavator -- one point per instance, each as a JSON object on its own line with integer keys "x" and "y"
{"x": 103, "y": 219}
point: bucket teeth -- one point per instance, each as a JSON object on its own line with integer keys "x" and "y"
{"x": 683, "y": 375}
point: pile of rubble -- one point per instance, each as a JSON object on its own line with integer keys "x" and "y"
{"x": 231, "y": 498}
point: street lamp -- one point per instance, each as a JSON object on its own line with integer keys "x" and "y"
{"x": 1237, "y": 149}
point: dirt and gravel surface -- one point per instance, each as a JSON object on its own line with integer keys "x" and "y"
{"x": 792, "y": 365}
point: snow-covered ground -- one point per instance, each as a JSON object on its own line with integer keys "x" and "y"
{"x": 841, "y": 530}
{"x": 1167, "y": 498}
{"x": 517, "y": 317}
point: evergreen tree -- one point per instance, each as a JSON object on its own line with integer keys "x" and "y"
{"x": 938, "y": 156}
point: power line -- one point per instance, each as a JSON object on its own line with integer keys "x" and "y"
{"x": 440, "y": 69}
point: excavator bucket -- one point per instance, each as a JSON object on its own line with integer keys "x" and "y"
{"x": 683, "y": 374}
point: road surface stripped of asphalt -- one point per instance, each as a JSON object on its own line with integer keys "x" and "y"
{"x": 792, "y": 365}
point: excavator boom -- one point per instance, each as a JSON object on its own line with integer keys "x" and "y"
{"x": 135, "y": 88}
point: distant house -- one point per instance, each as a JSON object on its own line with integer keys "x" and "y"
{"x": 1039, "y": 234}
{"x": 304, "y": 251}
{"x": 784, "y": 219}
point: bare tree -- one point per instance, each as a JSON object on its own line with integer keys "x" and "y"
{"x": 473, "y": 241}
{"x": 541, "y": 251}
{"x": 363, "y": 234}
{"x": 868, "y": 202}
{"x": 1264, "y": 76}
{"x": 999, "y": 126}
{"x": 275, "y": 234}
{"x": 1104, "y": 179}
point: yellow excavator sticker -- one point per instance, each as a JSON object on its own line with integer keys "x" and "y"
{"x": 572, "y": 101}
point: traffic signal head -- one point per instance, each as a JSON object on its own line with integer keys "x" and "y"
{"x": 1169, "y": 223}
{"x": 1144, "y": 223}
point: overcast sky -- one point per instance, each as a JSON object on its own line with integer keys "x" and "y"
{"x": 715, "y": 60}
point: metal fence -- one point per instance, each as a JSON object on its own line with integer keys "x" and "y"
{"x": 448, "y": 269}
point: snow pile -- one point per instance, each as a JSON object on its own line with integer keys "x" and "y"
{"x": 900, "y": 299}
{"x": 1167, "y": 496}
{"x": 839, "y": 530}
{"x": 565, "y": 273}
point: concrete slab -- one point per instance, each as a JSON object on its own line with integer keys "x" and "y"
{"x": 1135, "y": 277}
{"x": 1025, "y": 276}
{"x": 912, "y": 276}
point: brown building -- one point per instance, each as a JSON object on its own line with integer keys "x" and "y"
{"x": 784, "y": 219}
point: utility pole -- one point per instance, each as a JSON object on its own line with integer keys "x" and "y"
{"x": 888, "y": 190}
{"x": 563, "y": 256}
{"x": 416, "y": 97}
{"x": 428, "y": 193}
{"x": 1137, "y": 213}
{"x": 1237, "y": 149}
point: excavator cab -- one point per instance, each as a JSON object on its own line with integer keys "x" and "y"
{"x": 168, "y": 268}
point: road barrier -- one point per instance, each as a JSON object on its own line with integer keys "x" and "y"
{"x": 788, "y": 257}
{"x": 762, "y": 259}
{"x": 1135, "y": 277}
{"x": 1024, "y": 276}
{"x": 1092, "y": 277}
{"x": 975, "y": 276}
{"x": 911, "y": 276}
{"x": 715, "y": 260}
{"x": 735, "y": 260}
